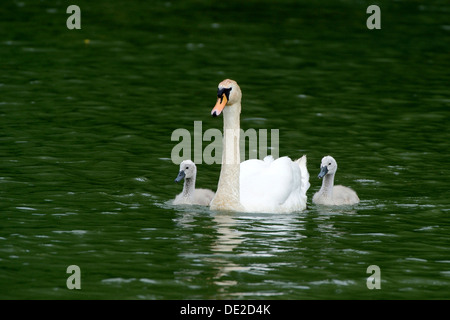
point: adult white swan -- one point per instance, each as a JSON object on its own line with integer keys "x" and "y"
{"x": 329, "y": 194}
{"x": 272, "y": 186}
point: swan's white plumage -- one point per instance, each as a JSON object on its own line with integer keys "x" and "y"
{"x": 329, "y": 194}
{"x": 190, "y": 195}
{"x": 269, "y": 185}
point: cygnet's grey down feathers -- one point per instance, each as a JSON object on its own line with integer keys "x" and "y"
{"x": 191, "y": 195}
{"x": 329, "y": 194}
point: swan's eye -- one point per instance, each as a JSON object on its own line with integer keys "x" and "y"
{"x": 187, "y": 168}
{"x": 329, "y": 164}
{"x": 222, "y": 91}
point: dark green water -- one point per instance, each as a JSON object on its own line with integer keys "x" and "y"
{"x": 87, "y": 115}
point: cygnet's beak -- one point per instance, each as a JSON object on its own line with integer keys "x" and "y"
{"x": 323, "y": 172}
{"x": 180, "y": 176}
{"x": 223, "y": 96}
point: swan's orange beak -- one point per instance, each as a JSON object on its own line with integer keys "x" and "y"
{"x": 220, "y": 104}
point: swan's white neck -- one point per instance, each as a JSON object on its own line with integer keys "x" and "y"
{"x": 189, "y": 187}
{"x": 327, "y": 185}
{"x": 227, "y": 194}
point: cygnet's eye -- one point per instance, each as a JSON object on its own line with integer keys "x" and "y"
{"x": 329, "y": 164}
{"x": 187, "y": 168}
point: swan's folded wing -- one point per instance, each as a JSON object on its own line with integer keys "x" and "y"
{"x": 268, "y": 185}
{"x": 305, "y": 175}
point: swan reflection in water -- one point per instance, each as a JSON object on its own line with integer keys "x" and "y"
{"x": 228, "y": 239}
{"x": 221, "y": 250}
{"x": 249, "y": 243}
{"x": 255, "y": 237}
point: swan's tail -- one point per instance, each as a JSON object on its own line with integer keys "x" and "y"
{"x": 305, "y": 174}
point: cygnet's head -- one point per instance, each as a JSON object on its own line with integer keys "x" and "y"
{"x": 327, "y": 166}
{"x": 228, "y": 94}
{"x": 187, "y": 170}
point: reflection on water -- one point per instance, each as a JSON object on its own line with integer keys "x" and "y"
{"x": 255, "y": 239}
{"x": 243, "y": 244}
{"x": 228, "y": 239}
